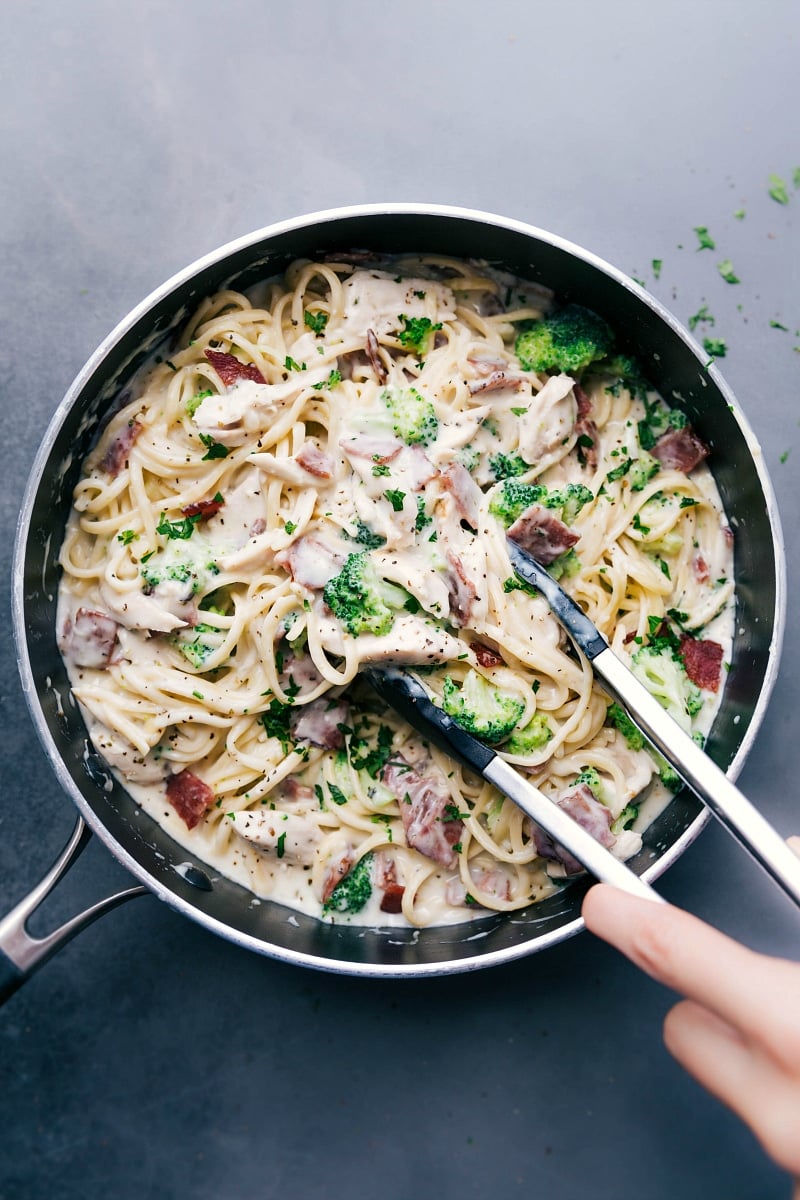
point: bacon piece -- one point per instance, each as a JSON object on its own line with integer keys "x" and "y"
{"x": 319, "y": 721}
{"x": 315, "y": 461}
{"x": 189, "y": 796}
{"x": 297, "y": 793}
{"x": 230, "y": 369}
{"x": 700, "y": 568}
{"x": 90, "y": 639}
{"x": 461, "y": 590}
{"x": 424, "y": 800}
{"x": 485, "y": 655}
{"x": 203, "y": 508}
{"x": 116, "y": 456}
{"x": 542, "y": 535}
{"x": 310, "y": 561}
{"x": 374, "y": 357}
{"x": 386, "y": 878}
{"x": 582, "y": 805}
{"x": 487, "y": 366}
{"x": 703, "y": 661}
{"x": 498, "y": 381}
{"x": 337, "y": 869}
{"x": 458, "y": 482}
{"x": 585, "y": 428}
{"x": 680, "y": 449}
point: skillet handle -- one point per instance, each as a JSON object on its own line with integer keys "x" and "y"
{"x": 20, "y": 953}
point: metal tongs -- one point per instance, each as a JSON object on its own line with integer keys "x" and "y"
{"x": 407, "y": 695}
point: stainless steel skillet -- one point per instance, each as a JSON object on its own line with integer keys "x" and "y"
{"x": 675, "y": 364}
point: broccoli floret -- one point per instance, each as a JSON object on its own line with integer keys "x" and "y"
{"x": 591, "y": 777}
{"x": 566, "y": 340}
{"x": 417, "y": 332}
{"x": 511, "y": 499}
{"x": 617, "y": 717}
{"x": 352, "y": 893}
{"x": 658, "y": 420}
{"x": 570, "y": 500}
{"x": 626, "y": 372}
{"x": 366, "y": 537}
{"x": 506, "y": 466}
{"x": 625, "y": 818}
{"x": 666, "y": 773}
{"x": 642, "y": 471}
{"x": 413, "y": 417}
{"x": 361, "y": 600}
{"x": 481, "y": 708}
{"x": 664, "y": 675}
{"x": 199, "y": 642}
{"x": 536, "y": 733}
{"x": 565, "y": 566}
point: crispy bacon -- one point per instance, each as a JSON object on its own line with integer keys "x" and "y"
{"x": 461, "y": 590}
{"x": 585, "y": 428}
{"x": 466, "y": 494}
{"x": 189, "y": 796}
{"x": 319, "y": 722}
{"x": 230, "y": 369}
{"x": 337, "y": 869}
{"x": 424, "y": 802}
{"x": 542, "y": 535}
{"x": 700, "y": 568}
{"x": 498, "y": 381}
{"x": 310, "y": 561}
{"x": 90, "y": 639}
{"x": 486, "y": 656}
{"x": 374, "y": 357}
{"x": 386, "y": 878}
{"x": 202, "y": 508}
{"x": 680, "y": 449}
{"x": 582, "y": 805}
{"x": 315, "y": 461}
{"x": 703, "y": 661}
{"x": 116, "y": 456}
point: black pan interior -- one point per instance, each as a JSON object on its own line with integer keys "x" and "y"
{"x": 674, "y": 367}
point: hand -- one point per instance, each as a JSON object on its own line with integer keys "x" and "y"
{"x": 738, "y": 1031}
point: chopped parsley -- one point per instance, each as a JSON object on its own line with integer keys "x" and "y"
{"x": 702, "y": 316}
{"x": 126, "y": 536}
{"x": 716, "y": 347}
{"x": 316, "y": 321}
{"x": 213, "y": 449}
{"x": 337, "y": 795}
{"x": 657, "y": 264}
{"x": 181, "y": 530}
{"x": 395, "y": 498}
{"x": 706, "y": 242}
{"x": 292, "y": 364}
{"x": 416, "y": 332}
{"x": 778, "y": 190}
{"x": 727, "y": 272}
{"x": 333, "y": 378}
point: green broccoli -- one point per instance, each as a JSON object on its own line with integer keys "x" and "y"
{"x": 565, "y": 566}
{"x": 481, "y": 708}
{"x": 198, "y": 642}
{"x": 625, "y": 818}
{"x": 506, "y": 466}
{"x": 642, "y": 470}
{"x": 617, "y": 717}
{"x": 666, "y": 773}
{"x": 536, "y": 734}
{"x": 591, "y": 777}
{"x": 417, "y": 332}
{"x": 352, "y": 893}
{"x": 362, "y": 601}
{"x": 570, "y": 500}
{"x": 565, "y": 340}
{"x": 625, "y": 371}
{"x": 413, "y": 417}
{"x": 657, "y": 421}
{"x": 664, "y": 675}
{"x": 511, "y": 499}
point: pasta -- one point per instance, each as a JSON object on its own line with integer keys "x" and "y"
{"x": 323, "y": 475}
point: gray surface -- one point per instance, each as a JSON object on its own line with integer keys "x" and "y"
{"x": 149, "y": 1058}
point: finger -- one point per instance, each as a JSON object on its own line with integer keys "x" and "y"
{"x": 740, "y": 1074}
{"x": 681, "y": 952}
{"x": 794, "y": 844}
